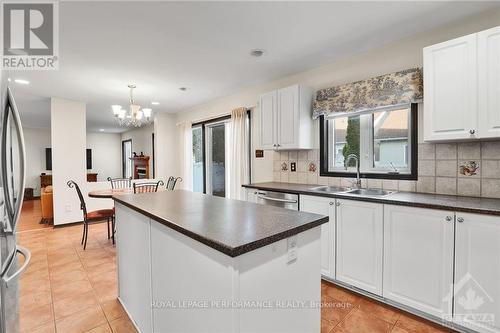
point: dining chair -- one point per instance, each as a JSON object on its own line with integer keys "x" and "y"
{"x": 120, "y": 182}
{"x": 93, "y": 216}
{"x": 146, "y": 187}
{"x": 172, "y": 181}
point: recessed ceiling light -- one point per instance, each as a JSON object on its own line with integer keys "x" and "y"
{"x": 21, "y": 81}
{"x": 101, "y": 129}
{"x": 257, "y": 52}
{"x": 183, "y": 88}
{"x": 9, "y": 79}
{"x": 155, "y": 103}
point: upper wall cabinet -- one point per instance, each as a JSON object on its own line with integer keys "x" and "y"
{"x": 450, "y": 89}
{"x": 461, "y": 88}
{"x": 488, "y": 43}
{"x": 285, "y": 118}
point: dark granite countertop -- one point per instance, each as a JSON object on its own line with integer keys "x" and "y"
{"x": 423, "y": 200}
{"x": 232, "y": 227}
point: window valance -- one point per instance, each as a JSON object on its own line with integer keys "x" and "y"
{"x": 391, "y": 89}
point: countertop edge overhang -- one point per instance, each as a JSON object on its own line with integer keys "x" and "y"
{"x": 478, "y": 205}
{"x": 216, "y": 244}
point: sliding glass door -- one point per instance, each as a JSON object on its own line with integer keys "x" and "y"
{"x": 217, "y": 148}
{"x": 198, "y": 159}
{"x": 211, "y": 155}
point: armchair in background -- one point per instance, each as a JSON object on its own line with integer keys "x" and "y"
{"x": 47, "y": 206}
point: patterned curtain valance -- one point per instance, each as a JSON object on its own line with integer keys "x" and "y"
{"x": 385, "y": 90}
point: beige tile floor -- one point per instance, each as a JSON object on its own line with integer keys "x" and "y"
{"x": 67, "y": 289}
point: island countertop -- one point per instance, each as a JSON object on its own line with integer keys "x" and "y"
{"x": 232, "y": 227}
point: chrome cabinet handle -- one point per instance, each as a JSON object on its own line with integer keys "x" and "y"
{"x": 449, "y": 218}
{"x": 337, "y": 203}
{"x": 277, "y": 199}
{"x": 331, "y": 203}
{"x": 460, "y": 219}
{"x": 472, "y": 132}
{"x": 27, "y": 258}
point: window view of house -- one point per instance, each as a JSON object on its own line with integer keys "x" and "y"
{"x": 380, "y": 139}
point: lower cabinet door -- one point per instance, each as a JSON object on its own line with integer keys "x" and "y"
{"x": 477, "y": 272}
{"x": 418, "y": 258}
{"x": 360, "y": 244}
{"x": 251, "y": 196}
{"x": 323, "y": 206}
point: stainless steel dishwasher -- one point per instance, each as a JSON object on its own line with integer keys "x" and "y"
{"x": 278, "y": 199}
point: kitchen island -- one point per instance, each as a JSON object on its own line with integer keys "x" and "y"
{"x": 189, "y": 262}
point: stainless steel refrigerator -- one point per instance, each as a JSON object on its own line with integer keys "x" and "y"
{"x": 14, "y": 258}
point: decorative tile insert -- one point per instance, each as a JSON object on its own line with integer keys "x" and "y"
{"x": 468, "y": 168}
{"x": 465, "y": 168}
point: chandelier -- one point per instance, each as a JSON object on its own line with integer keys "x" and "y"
{"x": 134, "y": 116}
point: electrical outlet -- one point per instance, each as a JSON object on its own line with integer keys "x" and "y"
{"x": 293, "y": 167}
{"x": 293, "y": 250}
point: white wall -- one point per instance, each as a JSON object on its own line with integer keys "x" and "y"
{"x": 68, "y": 131}
{"x": 106, "y": 154}
{"x": 167, "y": 146}
{"x": 400, "y": 55}
{"x": 36, "y": 140}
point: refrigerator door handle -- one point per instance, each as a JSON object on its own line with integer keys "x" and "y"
{"x": 27, "y": 258}
{"x": 16, "y": 211}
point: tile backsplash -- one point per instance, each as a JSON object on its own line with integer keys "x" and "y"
{"x": 468, "y": 169}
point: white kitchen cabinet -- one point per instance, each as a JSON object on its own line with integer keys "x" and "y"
{"x": 450, "y": 90}
{"x": 323, "y": 206}
{"x": 477, "y": 272}
{"x": 489, "y": 82}
{"x": 134, "y": 265}
{"x": 360, "y": 244}
{"x": 418, "y": 258}
{"x": 286, "y": 118}
{"x": 268, "y": 120}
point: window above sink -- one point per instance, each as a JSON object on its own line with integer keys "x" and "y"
{"x": 383, "y": 139}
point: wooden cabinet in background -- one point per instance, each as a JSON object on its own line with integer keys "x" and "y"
{"x": 46, "y": 180}
{"x": 141, "y": 167}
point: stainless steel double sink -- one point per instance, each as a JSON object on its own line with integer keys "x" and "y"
{"x": 357, "y": 192}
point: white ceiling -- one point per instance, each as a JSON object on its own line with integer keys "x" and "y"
{"x": 161, "y": 46}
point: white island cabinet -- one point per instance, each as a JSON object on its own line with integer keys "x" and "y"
{"x": 418, "y": 258}
{"x": 190, "y": 262}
